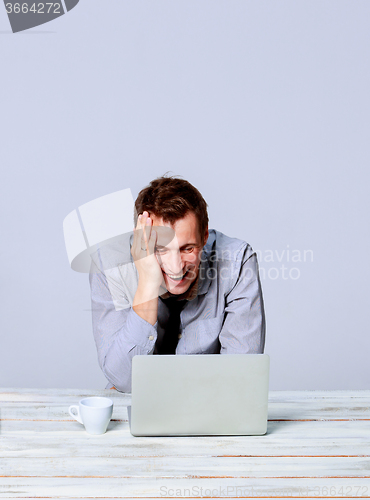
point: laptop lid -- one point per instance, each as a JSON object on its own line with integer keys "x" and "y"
{"x": 212, "y": 394}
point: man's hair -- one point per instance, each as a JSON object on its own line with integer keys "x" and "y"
{"x": 171, "y": 199}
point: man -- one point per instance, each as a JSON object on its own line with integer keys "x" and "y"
{"x": 182, "y": 290}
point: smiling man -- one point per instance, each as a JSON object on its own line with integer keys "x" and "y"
{"x": 188, "y": 290}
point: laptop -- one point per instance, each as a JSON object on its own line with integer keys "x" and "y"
{"x": 206, "y": 395}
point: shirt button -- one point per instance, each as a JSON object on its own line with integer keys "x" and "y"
{"x": 179, "y": 336}
{"x": 151, "y": 337}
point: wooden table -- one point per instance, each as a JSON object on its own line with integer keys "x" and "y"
{"x": 317, "y": 446}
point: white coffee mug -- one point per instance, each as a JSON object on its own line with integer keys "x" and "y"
{"x": 94, "y": 413}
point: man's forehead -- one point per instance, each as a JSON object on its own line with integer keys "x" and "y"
{"x": 165, "y": 235}
{"x": 183, "y": 229}
{"x": 189, "y": 219}
{"x": 158, "y": 221}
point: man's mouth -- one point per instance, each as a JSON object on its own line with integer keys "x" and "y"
{"x": 176, "y": 277}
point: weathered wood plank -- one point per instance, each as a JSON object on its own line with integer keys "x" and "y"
{"x": 247, "y": 467}
{"x": 50, "y": 411}
{"x": 176, "y": 487}
{"x": 305, "y": 397}
{"x": 56, "y": 395}
{"x": 321, "y": 405}
{"x": 281, "y": 406}
{"x": 63, "y": 438}
{"x": 58, "y": 411}
{"x": 311, "y": 395}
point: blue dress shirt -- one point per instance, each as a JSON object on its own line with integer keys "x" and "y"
{"x": 226, "y": 315}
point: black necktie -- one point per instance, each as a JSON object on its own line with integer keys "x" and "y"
{"x": 172, "y": 329}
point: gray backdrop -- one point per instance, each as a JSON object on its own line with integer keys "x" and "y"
{"x": 263, "y": 105}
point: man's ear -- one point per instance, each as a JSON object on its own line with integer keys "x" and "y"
{"x": 206, "y": 237}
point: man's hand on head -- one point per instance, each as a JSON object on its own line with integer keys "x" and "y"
{"x": 143, "y": 253}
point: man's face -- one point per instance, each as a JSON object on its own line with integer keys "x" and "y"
{"x": 180, "y": 258}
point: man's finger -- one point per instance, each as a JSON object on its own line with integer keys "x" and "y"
{"x": 152, "y": 241}
{"x": 147, "y": 233}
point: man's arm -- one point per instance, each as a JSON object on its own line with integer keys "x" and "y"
{"x": 119, "y": 335}
{"x": 122, "y": 334}
{"x": 243, "y": 330}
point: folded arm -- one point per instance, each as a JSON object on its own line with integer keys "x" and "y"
{"x": 119, "y": 334}
{"x": 243, "y": 331}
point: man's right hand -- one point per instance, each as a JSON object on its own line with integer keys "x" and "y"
{"x": 150, "y": 275}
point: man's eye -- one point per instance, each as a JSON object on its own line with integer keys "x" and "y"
{"x": 160, "y": 250}
{"x": 188, "y": 249}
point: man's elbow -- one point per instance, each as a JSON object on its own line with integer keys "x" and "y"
{"x": 121, "y": 386}
{"x": 120, "y": 381}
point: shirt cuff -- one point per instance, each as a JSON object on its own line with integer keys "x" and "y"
{"x": 140, "y": 332}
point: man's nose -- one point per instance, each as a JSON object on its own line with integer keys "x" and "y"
{"x": 174, "y": 262}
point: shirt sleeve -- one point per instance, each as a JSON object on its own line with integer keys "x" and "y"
{"x": 243, "y": 331}
{"x": 119, "y": 334}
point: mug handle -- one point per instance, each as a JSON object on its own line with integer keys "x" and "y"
{"x": 76, "y": 417}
